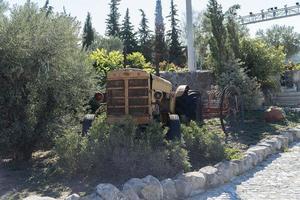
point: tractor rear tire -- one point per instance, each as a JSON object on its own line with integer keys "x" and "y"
{"x": 87, "y": 123}
{"x": 174, "y": 128}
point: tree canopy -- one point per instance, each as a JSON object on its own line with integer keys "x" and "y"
{"x": 88, "y": 33}
{"x": 112, "y": 22}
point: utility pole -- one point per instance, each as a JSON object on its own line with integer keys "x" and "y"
{"x": 190, "y": 36}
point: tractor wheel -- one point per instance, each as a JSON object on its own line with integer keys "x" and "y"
{"x": 174, "y": 128}
{"x": 231, "y": 110}
{"x": 193, "y": 106}
{"x": 87, "y": 123}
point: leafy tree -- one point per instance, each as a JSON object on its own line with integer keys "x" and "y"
{"x": 127, "y": 35}
{"x": 106, "y": 61}
{"x": 112, "y": 23}
{"x": 176, "y": 55}
{"x": 145, "y": 38}
{"x": 262, "y": 61}
{"x": 107, "y": 43}
{"x": 3, "y": 8}
{"x": 137, "y": 60}
{"x": 282, "y": 36}
{"x": 88, "y": 33}
{"x": 44, "y": 79}
{"x": 160, "y": 47}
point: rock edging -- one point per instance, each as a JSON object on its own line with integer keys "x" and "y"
{"x": 196, "y": 182}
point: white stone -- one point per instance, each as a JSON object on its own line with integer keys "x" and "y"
{"x": 169, "y": 189}
{"x": 227, "y": 170}
{"x": 73, "y": 197}
{"x": 152, "y": 189}
{"x": 109, "y": 192}
{"x": 211, "y": 176}
{"x": 190, "y": 184}
{"x": 296, "y": 131}
{"x": 261, "y": 151}
{"x": 289, "y": 135}
{"x": 135, "y": 184}
{"x": 93, "y": 196}
{"x": 130, "y": 194}
{"x": 38, "y": 198}
{"x": 284, "y": 141}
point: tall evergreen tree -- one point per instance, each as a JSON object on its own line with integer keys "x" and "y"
{"x": 145, "y": 40}
{"x": 176, "y": 55}
{"x": 127, "y": 35}
{"x": 88, "y": 33}
{"x": 160, "y": 47}
{"x": 218, "y": 40}
{"x": 112, "y": 22}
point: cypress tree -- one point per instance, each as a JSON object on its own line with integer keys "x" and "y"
{"x": 218, "y": 40}
{"x": 88, "y": 33}
{"x": 145, "y": 37}
{"x": 112, "y": 22}
{"x": 176, "y": 55}
{"x": 160, "y": 47}
{"x": 127, "y": 35}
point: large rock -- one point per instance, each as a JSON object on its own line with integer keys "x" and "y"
{"x": 289, "y": 135}
{"x": 109, "y": 192}
{"x": 227, "y": 170}
{"x": 34, "y": 197}
{"x": 73, "y": 197}
{"x": 274, "y": 114}
{"x": 296, "y": 132}
{"x": 152, "y": 190}
{"x": 190, "y": 184}
{"x": 169, "y": 189}
{"x": 211, "y": 176}
{"x": 274, "y": 142}
{"x": 93, "y": 196}
{"x": 284, "y": 141}
{"x": 261, "y": 151}
{"x": 147, "y": 188}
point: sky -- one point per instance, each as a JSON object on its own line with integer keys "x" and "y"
{"x": 99, "y": 10}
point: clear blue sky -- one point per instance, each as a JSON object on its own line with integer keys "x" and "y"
{"x": 99, "y": 10}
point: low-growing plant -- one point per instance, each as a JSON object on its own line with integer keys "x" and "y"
{"x": 122, "y": 150}
{"x": 204, "y": 146}
{"x": 232, "y": 153}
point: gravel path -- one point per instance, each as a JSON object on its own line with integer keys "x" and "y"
{"x": 276, "y": 178}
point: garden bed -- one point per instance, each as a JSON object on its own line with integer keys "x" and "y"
{"x": 43, "y": 177}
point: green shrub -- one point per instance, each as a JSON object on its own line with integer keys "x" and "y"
{"x": 204, "y": 146}
{"x": 232, "y": 153}
{"x": 122, "y": 150}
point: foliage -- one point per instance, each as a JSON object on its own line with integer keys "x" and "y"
{"x": 218, "y": 39}
{"x": 204, "y": 146}
{"x": 112, "y": 22}
{"x": 232, "y": 153}
{"x": 282, "y": 36}
{"x": 122, "y": 151}
{"x": 127, "y": 35}
{"x": 88, "y": 33}
{"x": 171, "y": 67}
{"x": 44, "y": 78}
{"x": 292, "y": 66}
{"x": 176, "y": 54}
{"x": 107, "y": 43}
{"x": 145, "y": 41}
{"x": 262, "y": 61}
{"x": 160, "y": 46}
{"x": 105, "y": 62}
{"x": 137, "y": 60}
{"x": 235, "y": 75}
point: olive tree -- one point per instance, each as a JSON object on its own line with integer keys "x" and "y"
{"x": 44, "y": 78}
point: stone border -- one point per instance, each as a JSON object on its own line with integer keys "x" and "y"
{"x": 194, "y": 183}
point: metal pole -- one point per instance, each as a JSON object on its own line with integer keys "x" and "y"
{"x": 190, "y": 36}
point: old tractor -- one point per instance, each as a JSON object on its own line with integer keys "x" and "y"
{"x": 146, "y": 97}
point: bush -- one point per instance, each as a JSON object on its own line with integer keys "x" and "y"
{"x": 122, "y": 150}
{"x": 204, "y": 146}
{"x": 105, "y": 61}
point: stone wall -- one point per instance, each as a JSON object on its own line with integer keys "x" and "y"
{"x": 199, "y": 80}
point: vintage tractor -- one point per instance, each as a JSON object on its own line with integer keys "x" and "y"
{"x": 146, "y": 97}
